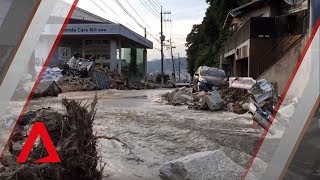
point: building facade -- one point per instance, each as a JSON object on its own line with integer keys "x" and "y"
{"x": 114, "y": 46}
{"x": 261, "y": 32}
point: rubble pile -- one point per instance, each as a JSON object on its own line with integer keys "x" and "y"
{"x": 200, "y": 101}
{"x": 73, "y": 137}
{"x": 72, "y": 84}
{"x": 115, "y": 80}
{"x": 182, "y": 96}
{"x": 236, "y": 98}
{"x": 98, "y": 79}
{"x": 228, "y": 99}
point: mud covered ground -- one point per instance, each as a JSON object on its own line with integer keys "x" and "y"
{"x": 157, "y": 133}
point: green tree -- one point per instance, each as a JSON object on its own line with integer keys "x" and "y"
{"x": 205, "y": 41}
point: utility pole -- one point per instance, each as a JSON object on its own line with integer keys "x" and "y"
{"x": 145, "y": 63}
{"x": 173, "y": 68}
{"x": 162, "y": 38}
{"x": 179, "y": 67}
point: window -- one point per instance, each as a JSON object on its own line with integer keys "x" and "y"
{"x": 88, "y": 42}
{"x": 96, "y": 42}
{"x": 105, "y": 42}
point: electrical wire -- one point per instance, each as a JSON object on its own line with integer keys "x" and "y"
{"x": 112, "y": 11}
{"x": 143, "y": 21}
{"x": 137, "y": 13}
{"x": 109, "y": 8}
{"x": 128, "y": 13}
{"x": 103, "y": 11}
{"x": 156, "y": 4}
{"x": 154, "y": 37}
{"x": 155, "y": 8}
{"x": 148, "y": 8}
{"x": 151, "y": 6}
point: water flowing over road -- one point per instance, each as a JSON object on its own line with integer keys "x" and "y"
{"x": 157, "y": 133}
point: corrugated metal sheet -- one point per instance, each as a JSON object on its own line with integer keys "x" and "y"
{"x": 100, "y": 79}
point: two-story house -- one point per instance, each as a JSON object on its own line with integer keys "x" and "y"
{"x": 261, "y": 32}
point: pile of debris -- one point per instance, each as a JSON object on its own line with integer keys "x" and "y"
{"x": 236, "y": 98}
{"x": 98, "y": 79}
{"x": 200, "y": 101}
{"x": 112, "y": 79}
{"x": 72, "y": 84}
{"x": 243, "y": 95}
{"x": 73, "y": 137}
{"x": 227, "y": 99}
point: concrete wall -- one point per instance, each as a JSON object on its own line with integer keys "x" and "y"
{"x": 281, "y": 71}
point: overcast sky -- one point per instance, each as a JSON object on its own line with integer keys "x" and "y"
{"x": 184, "y": 13}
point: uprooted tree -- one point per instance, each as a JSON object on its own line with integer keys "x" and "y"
{"x": 73, "y": 138}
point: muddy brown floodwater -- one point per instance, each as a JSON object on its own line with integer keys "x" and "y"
{"x": 158, "y": 133}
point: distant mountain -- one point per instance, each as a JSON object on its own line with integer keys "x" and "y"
{"x": 154, "y": 66}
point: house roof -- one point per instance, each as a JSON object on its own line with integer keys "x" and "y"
{"x": 243, "y": 9}
{"x": 247, "y": 7}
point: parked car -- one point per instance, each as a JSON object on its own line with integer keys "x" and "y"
{"x": 208, "y": 78}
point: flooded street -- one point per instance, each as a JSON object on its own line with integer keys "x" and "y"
{"x": 157, "y": 133}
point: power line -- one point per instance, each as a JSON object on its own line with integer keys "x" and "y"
{"x": 134, "y": 18}
{"x": 103, "y": 10}
{"x": 127, "y": 12}
{"x": 151, "y": 6}
{"x": 158, "y": 3}
{"x": 154, "y": 6}
{"x": 110, "y": 8}
{"x": 112, "y": 11}
{"x": 148, "y": 8}
{"x": 143, "y": 21}
{"x": 154, "y": 37}
{"x": 137, "y": 13}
